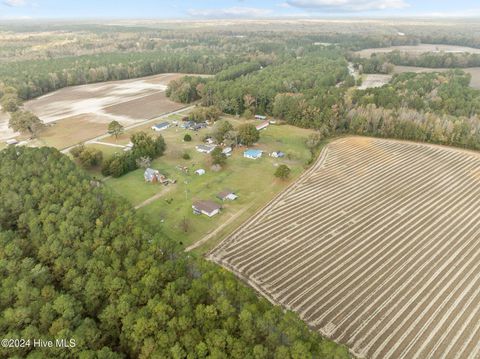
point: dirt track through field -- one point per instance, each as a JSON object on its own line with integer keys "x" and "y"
{"x": 377, "y": 247}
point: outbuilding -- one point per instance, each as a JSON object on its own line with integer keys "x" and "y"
{"x": 227, "y": 151}
{"x": 200, "y": 172}
{"x": 208, "y": 208}
{"x": 227, "y": 195}
{"x": 262, "y": 126}
{"x": 277, "y": 154}
{"x": 12, "y": 141}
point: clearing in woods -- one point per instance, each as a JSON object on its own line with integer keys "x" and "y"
{"x": 376, "y": 246}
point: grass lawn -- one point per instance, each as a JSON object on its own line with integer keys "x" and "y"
{"x": 252, "y": 180}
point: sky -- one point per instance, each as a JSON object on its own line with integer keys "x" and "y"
{"x": 234, "y": 9}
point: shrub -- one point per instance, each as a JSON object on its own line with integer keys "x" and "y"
{"x": 187, "y": 138}
{"x": 282, "y": 172}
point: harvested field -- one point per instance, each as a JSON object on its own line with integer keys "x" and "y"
{"x": 376, "y": 246}
{"x": 145, "y": 107}
{"x": 96, "y": 98}
{"x": 80, "y": 128}
{"x": 419, "y": 49}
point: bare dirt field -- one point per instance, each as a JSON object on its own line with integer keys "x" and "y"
{"x": 374, "y": 80}
{"x": 78, "y": 128}
{"x": 376, "y": 246}
{"x": 144, "y": 107}
{"x": 419, "y": 49}
{"x": 474, "y": 71}
{"x": 79, "y": 113}
{"x": 95, "y": 98}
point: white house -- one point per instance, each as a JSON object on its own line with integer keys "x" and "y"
{"x": 160, "y": 126}
{"x": 205, "y": 148}
{"x": 151, "y": 175}
{"x": 208, "y": 208}
{"x": 200, "y": 172}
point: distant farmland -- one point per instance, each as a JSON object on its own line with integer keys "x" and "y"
{"x": 377, "y": 246}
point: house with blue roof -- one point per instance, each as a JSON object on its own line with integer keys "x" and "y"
{"x": 161, "y": 126}
{"x": 252, "y": 154}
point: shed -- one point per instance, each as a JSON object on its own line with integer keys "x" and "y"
{"x": 260, "y": 117}
{"x": 252, "y": 154}
{"x": 262, "y": 125}
{"x": 12, "y": 141}
{"x": 200, "y": 172}
{"x": 208, "y": 208}
{"x": 277, "y": 154}
{"x": 227, "y": 195}
{"x": 227, "y": 151}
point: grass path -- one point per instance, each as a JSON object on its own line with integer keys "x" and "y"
{"x": 155, "y": 197}
{"x": 216, "y": 230}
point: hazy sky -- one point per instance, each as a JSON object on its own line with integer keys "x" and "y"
{"x": 13, "y": 9}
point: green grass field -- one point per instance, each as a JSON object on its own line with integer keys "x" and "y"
{"x": 252, "y": 180}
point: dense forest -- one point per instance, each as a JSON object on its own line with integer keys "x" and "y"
{"x": 379, "y": 62}
{"x": 78, "y": 263}
{"x": 316, "y": 91}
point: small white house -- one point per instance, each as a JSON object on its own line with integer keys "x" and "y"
{"x": 208, "y": 208}
{"x": 200, "y": 172}
{"x": 151, "y": 175}
{"x": 160, "y": 126}
{"x": 205, "y": 148}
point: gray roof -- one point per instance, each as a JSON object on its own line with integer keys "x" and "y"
{"x": 163, "y": 124}
{"x": 224, "y": 193}
{"x": 206, "y": 206}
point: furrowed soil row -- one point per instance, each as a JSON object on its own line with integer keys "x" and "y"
{"x": 376, "y": 246}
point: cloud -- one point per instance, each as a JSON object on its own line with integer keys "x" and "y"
{"x": 228, "y": 13}
{"x": 15, "y": 3}
{"x": 348, "y": 5}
